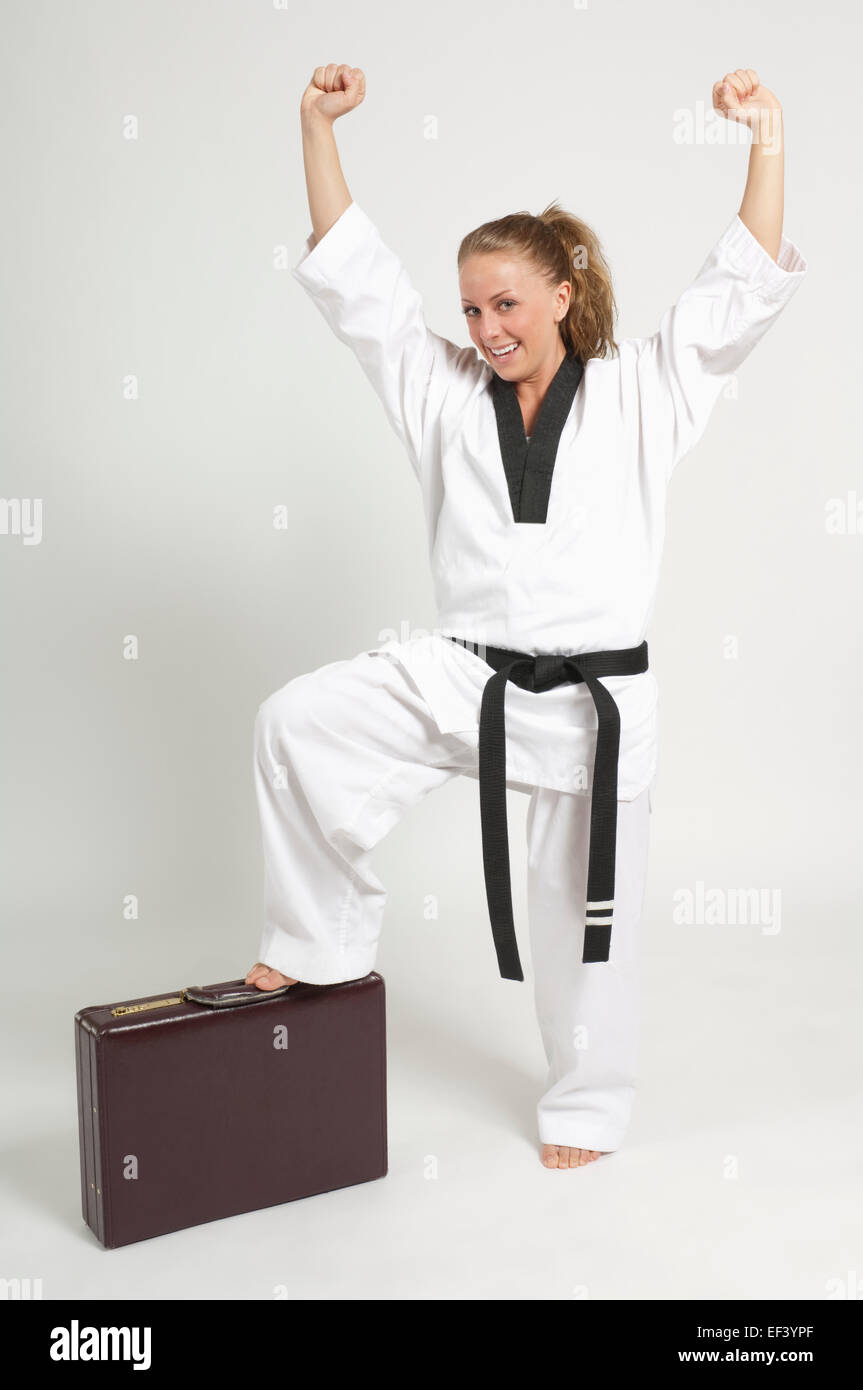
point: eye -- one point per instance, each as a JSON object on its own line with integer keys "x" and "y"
{"x": 471, "y": 309}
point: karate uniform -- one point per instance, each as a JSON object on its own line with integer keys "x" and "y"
{"x": 545, "y": 549}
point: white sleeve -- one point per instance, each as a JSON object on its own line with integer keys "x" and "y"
{"x": 705, "y": 337}
{"x": 366, "y": 297}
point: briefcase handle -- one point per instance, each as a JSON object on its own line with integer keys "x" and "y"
{"x": 231, "y": 993}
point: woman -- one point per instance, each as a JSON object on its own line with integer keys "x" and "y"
{"x": 543, "y": 454}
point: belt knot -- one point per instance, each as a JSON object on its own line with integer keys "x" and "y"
{"x": 552, "y": 670}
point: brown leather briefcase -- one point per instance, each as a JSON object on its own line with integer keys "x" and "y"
{"x": 225, "y": 1098}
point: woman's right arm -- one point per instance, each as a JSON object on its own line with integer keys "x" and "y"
{"x": 333, "y": 91}
{"x": 362, "y": 289}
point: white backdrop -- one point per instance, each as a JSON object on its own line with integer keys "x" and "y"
{"x": 167, "y": 385}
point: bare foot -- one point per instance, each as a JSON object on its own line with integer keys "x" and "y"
{"x": 559, "y": 1156}
{"x": 265, "y": 978}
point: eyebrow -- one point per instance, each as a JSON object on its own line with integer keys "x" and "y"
{"x": 496, "y": 295}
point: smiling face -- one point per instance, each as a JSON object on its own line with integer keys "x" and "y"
{"x": 505, "y": 302}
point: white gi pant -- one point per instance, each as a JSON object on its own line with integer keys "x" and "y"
{"x": 340, "y": 754}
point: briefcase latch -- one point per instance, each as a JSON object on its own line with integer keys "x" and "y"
{"x": 150, "y": 1004}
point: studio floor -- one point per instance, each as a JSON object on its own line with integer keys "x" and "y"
{"x": 740, "y": 1176}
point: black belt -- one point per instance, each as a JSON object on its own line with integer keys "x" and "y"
{"x": 543, "y": 673}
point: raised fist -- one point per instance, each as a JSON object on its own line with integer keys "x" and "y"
{"x": 739, "y": 96}
{"x": 333, "y": 91}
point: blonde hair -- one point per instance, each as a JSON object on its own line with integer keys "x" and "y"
{"x": 559, "y": 247}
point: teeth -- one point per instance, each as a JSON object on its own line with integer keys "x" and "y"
{"x": 503, "y": 352}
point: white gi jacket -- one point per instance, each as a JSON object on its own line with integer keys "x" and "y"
{"x": 585, "y": 579}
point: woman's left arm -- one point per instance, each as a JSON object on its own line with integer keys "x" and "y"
{"x": 747, "y": 279}
{"x": 739, "y": 96}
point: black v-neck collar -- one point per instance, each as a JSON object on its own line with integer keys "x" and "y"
{"x": 529, "y": 466}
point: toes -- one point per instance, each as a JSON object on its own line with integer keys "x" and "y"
{"x": 266, "y": 977}
{"x": 565, "y": 1156}
{"x": 271, "y": 980}
{"x": 263, "y": 977}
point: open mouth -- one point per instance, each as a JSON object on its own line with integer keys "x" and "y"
{"x": 501, "y": 353}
